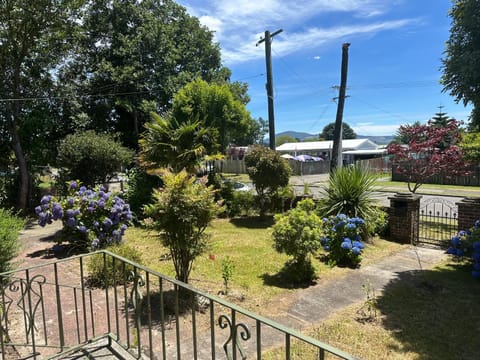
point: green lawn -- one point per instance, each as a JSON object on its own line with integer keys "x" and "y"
{"x": 257, "y": 277}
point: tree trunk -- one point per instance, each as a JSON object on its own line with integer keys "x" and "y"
{"x": 23, "y": 191}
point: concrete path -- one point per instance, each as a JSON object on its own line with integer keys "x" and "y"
{"x": 317, "y": 303}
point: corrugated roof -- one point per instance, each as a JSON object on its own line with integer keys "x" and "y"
{"x": 350, "y": 144}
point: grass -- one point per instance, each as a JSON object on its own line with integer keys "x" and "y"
{"x": 429, "y": 315}
{"x": 425, "y": 188}
{"x": 257, "y": 278}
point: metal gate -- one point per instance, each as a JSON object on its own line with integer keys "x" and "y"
{"x": 438, "y": 222}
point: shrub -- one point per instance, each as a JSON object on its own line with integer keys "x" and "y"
{"x": 92, "y": 219}
{"x": 467, "y": 244}
{"x": 342, "y": 240}
{"x": 181, "y": 212}
{"x": 139, "y": 191}
{"x": 350, "y": 192}
{"x": 119, "y": 273}
{"x": 10, "y": 226}
{"x": 91, "y": 158}
{"x": 298, "y": 234}
{"x": 268, "y": 172}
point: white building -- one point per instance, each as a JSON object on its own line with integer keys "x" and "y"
{"x": 352, "y": 149}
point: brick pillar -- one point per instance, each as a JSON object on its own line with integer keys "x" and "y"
{"x": 468, "y": 212}
{"x": 403, "y": 217}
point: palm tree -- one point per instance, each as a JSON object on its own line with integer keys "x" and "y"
{"x": 166, "y": 143}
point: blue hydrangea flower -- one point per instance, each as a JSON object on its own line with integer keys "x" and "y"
{"x": 358, "y": 244}
{"x": 456, "y": 241}
{"x": 351, "y": 226}
{"x": 356, "y": 250}
{"x": 347, "y": 245}
{"x": 73, "y": 185}
{"x": 459, "y": 252}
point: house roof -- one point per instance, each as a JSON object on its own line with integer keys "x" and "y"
{"x": 350, "y": 144}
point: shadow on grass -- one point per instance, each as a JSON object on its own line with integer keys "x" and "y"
{"x": 289, "y": 277}
{"x": 434, "y": 313}
{"x": 253, "y": 222}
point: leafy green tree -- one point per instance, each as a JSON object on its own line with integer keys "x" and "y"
{"x": 470, "y": 145}
{"x": 91, "y": 158}
{"x": 282, "y": 139}
{"x": 215, "y": 107}
{"x": 328, "y": 130}
{"x": 441, "y": 119}
{"x": 33, "y": 42}
{"x": 298, "y": 234}
{"x": 461, "y": 63}
{"x": 268, "y": 172}
{"x": 167, "y": 143}
{"x": 181, "y": 212}
{"x": 132, "y": 57}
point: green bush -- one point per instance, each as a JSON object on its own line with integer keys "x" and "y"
{"x": 139, "y": 190}
{"x": 298, "y": 234}
{"x": 10, "y": 226}
{"x": 91, "y": 158}
{"x": 119, "y": 273}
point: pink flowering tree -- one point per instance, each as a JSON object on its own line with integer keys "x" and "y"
{"x": 431, "y": 150}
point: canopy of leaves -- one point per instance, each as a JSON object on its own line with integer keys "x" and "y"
{"x": 132, "y": 56}
{"x": 91, "y": 158}
{"x": 181, "y": 212}
{"x": 215, "y": 107}
{"x": 167, "y": 143}
{"x": 283, "y": 139}
{"x": 267, "y": 169}
{"x": 427, "y": 154}
{"x": 470, "y": 146}
{"x": 461, "y": 63}
{"x": 328, "y": 130}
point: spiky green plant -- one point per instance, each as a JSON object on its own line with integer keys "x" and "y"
{"x": 350, "y": 191}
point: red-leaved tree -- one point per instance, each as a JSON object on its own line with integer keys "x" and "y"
{"x": 431, "y": 150}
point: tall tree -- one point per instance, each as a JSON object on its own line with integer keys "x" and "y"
{"x": 441, "y": 119}
{"x": 133, "y": 56}
{"x": 328, "y": 130}
{"x": 215, "y": 107}
{"x": 461, "y": 63}
{"x": 425, "y": 154}
{"x": 35, "y": 37}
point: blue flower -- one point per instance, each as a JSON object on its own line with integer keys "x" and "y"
{"x": 459, "y": 252}
{"x": 107, "y": 223}
{"x": 476, "y": 246}
{"x": 73, "y": 185}
{"x": 83, "y": 229}
{"x": 456, "y": 240}
{"x": 358, "y": 244}
{"x": 351, "y": 226}
{"x": 45, "y": 199}
{"x": 356, "y": 250}
{"x": 38, "y": 210}
{"x": 72, "y": 222}
{"x": 451, "y": 251}
{"x": 341, "y": 216}
{"x": 347, "y": 245}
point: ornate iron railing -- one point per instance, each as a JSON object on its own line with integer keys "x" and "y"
{"x": 50, "y": 308}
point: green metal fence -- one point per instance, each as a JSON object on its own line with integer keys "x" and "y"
{"x": 50, "y": 308}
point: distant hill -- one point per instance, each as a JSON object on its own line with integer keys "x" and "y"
{"x": 297, "y": 135}
{"x": 380, "y": 140}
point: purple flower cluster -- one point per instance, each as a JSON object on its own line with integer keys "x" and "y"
{"x": 343, "y": 239}
{"x": 95, "y": 217}
{"x": 467, "y": 244}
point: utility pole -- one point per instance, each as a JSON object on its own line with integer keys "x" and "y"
{"x": 336, "y": 160}
{"x": 268, "y": 59}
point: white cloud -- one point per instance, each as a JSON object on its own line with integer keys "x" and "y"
{"x": 238, "y": 25}
{"x": 316, "y": 57}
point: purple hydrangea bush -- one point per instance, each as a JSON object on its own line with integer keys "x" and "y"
{"x": 343, "y": 240}
{"x": 92, "y": 218}
{"x": 467, "y": 244}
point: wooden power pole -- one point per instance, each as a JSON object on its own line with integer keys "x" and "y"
{"x": 268, "y": 59}
{"x": 336, "y": 160}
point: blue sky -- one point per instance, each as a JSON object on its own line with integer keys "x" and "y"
{"x": 394, "y": 59}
